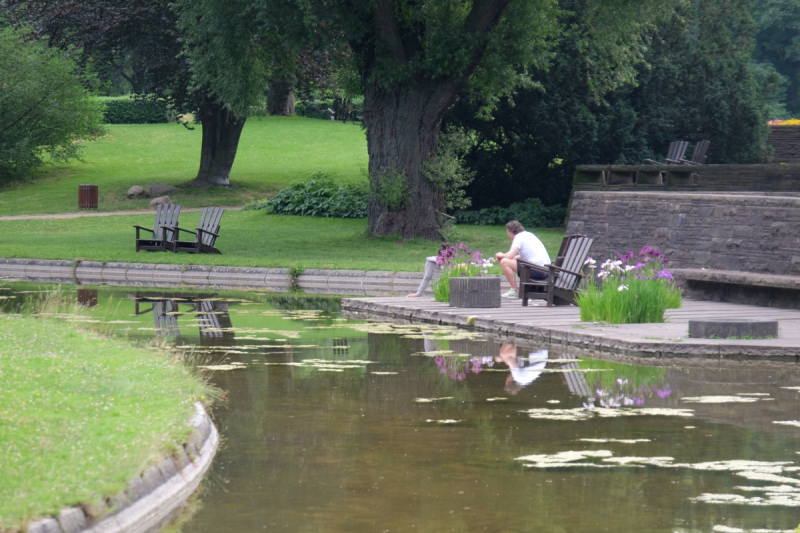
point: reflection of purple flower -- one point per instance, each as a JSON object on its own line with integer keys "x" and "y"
{"x": 663, "y": 393}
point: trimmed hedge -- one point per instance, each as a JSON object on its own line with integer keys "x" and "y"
{"x": 126, "y": 110}
{"x": 531, "y": 213}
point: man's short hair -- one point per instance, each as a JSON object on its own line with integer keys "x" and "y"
{"x": 515, "y": 227}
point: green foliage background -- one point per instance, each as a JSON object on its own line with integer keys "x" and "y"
{"x": 45, "y": 111}
{"x": 697, "y": 83}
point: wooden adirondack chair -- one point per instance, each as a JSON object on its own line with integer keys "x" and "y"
{"x": 528, "y": 285}
{"x": 562, "y": 281}
{"x": 205, "y": 236}
{"x": 166, "y": 217}
{"x": 676, "y": 152}
{"x": 699, "y": 156}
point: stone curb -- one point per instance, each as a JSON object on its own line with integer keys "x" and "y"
{"x": 585, "y": 342}
{"x": 344, "y": 282}
{"x": 150, "y": 500}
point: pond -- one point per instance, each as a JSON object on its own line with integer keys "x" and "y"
{"x": 331, "y": 424}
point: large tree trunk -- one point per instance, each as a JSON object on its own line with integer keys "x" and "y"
{"x": 221, "y": 132}
{"x": 280, "y": 99}
{"x": 402, "y": 134}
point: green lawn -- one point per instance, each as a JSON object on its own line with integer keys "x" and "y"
{"x": 273, "y": 152}
{"x": 81, "y": 414}
{"x": 248, "y": 238}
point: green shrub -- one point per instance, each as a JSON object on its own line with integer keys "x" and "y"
{"x": 531, "y": 213}
{"x": 318, "y": 197}
{"x": 391, "y": 189}
{"x": 126, "y": 110}
{"x": 630, "y": 293}
{"x": 44, "y": 108}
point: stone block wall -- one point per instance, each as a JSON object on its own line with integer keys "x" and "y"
{"x": 786, "y": 141}
{"x": 748, "y": 233}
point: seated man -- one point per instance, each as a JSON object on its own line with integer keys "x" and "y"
{"x": 526, "y": 246}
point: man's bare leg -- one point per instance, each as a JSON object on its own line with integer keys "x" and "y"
{"x": 510, "y": 270}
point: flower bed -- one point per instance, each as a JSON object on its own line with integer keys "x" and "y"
{"x": 457, "y": 261}
{"x": 633, "y": 289}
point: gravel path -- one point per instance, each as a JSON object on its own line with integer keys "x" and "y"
{"x": 104, "y": 213}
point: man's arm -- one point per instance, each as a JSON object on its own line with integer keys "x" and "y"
{"x": 513, "y": 253}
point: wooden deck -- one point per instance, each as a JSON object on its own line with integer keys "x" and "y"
{"x": 561, "y": 326}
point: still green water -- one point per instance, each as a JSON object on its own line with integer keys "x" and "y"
{"x": 336, "y": 425}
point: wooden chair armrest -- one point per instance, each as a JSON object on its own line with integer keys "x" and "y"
{"x": 146, "y": 229}
{"x": 179, "y": 229}
{"x": 687, "y": 162}
{"x": 532, "y": 266}
{"x": 673, "y": 161}
{"x": 553, "y": 267}
{"x": 201, "y": 230}
{"x": 651, "y": 162}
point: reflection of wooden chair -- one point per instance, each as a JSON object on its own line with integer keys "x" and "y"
{"x": 562, "y": 279}
{"x": 166, "y": 217}
{"x": 209, "y": 322}
{"x": 166, "y": 323}
{"x": 204, "y": 238}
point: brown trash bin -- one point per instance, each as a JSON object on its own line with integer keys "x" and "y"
{"x": 87, "y": 197}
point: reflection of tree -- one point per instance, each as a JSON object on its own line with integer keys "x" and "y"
{"x": 287, "y": 302}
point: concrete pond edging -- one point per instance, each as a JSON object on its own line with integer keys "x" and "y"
{"x": 560, "y": 334}
{"x": 151, "y": 499}
{"x": 316, "y": 281}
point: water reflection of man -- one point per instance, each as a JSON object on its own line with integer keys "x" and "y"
{"x": 523, "y": 371}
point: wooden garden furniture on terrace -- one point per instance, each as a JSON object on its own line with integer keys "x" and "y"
{"x": 204, "y": 238}
{"x": 563, "y": 276}
{"x": 676, "y": 152}
{"x": 699, "y": 156}
{"x": 166, "y": 217}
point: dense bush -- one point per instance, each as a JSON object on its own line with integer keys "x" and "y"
{"x": 318, "y": 197}
{"x": 44, "y": 108}
{"x": 531, "y": 213}
{"x": 126, "y": 110}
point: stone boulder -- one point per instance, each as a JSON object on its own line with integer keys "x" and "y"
{"x": 161, "y": 189}
{"x": 138, "y": 192}
{"x": 161, "y": 200}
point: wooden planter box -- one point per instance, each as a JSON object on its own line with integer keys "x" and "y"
{"x": 475, "y": 292}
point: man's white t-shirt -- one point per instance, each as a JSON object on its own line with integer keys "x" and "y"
{"x": 531, "y": 248}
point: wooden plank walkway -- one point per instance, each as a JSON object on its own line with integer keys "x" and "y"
{"x": 561, "y": 326}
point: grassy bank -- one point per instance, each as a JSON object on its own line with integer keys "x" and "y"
{"x": 248, "y": 238}
{"x": 273, "y": 152}
{"x": 81, "y": 415}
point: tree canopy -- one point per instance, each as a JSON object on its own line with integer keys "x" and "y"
{"x": 696, "y": 83}
{"x": 45, "y": 111}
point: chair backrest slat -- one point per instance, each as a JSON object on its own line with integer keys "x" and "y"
{"x": 574, "y": 262}
{"x": 172, "y": 221}
{"x": 212, "y": 224}
{"x": 563, "y": 278}
{"x": 159, "y": 221}
{"x": 673, "y": 149}
{"x": 700, "y": 150}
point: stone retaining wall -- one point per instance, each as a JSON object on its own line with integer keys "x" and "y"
{"x": 750, "y": 233}
{"x": 151, "y": 499}
{"x": 786, "y": 141}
